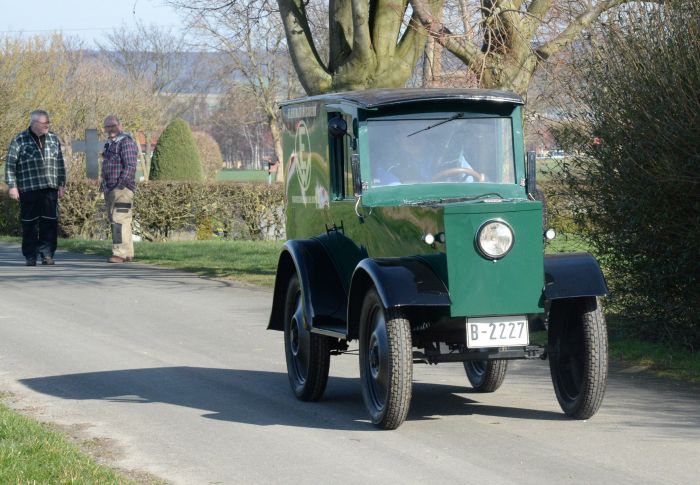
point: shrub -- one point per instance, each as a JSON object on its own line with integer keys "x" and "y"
{"x": 209, "y": 154}
{"x": 161, "y": 209}
{"x": 9, "y": 214}
{"x": 82, "y": 211}
{"x": 633, "y": 187}
{"x": 175, "y": 156}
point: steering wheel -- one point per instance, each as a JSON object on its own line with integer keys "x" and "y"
{"x": 478, "y": 177}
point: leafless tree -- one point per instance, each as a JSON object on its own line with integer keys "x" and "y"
{"x": 504, "y": 42}
{"x": 160, "y": 58}
{"x": 250, "y": 40}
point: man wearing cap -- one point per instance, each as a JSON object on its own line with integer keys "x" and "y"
{"x": 120, "y": 158}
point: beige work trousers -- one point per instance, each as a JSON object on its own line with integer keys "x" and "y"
{"x": 120, "y": 204}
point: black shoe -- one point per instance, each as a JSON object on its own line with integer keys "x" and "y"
{"x": 47, "y": 260}
{"x": 31, "y": 262}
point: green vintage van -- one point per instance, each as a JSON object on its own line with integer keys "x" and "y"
{"x": 413, "y": 230}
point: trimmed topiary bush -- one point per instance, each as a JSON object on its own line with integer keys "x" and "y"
{"x": 176, "y": 157}
{"x": 209, "y": 154}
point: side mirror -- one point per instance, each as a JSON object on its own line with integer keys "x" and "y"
{"x": 530, "y": 177}
{"x": 337, "y": 127}
{"x": 356, "y": 178}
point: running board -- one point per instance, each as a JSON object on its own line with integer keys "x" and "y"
{"x": 334, "y": 332}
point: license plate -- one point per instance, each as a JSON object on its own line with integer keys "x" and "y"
{"x": 497, "y": 332}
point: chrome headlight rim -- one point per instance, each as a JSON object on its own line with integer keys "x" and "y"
{"x": 482, "y": 251}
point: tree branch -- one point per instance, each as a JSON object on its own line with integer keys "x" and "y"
{"x": 313, "y": 75}
{"x": 582, "y": 21}
{"x": 340, "y": 29}
{"x": 361, "y": 39}
{"x": 535, "y": 16}
{"x": 386, "y": 24}
{"x": 463, "y": 49}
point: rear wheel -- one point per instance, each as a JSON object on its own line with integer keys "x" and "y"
{"x": 386, "y": 362}
{"x": 578, "y": 355}
{"x": 486, "y": 375}
{"x": 308, "y": 354}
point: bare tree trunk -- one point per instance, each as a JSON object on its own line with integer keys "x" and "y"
{"x": 147, "y": 155}
{"x": 277, "y": 141}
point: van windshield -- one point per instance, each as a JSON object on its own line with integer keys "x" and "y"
{"x": 452, "y": 150}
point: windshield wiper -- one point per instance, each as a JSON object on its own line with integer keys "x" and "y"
{"x": 451, "y": 118}
{"x": 452, "y": 200}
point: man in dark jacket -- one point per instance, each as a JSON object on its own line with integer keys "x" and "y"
{"x": 36, "y": 176}
{"x": 120, "y": 158}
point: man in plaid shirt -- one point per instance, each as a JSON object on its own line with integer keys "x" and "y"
{"x": 118, "y": 184}
{"x": 36, "y": 176}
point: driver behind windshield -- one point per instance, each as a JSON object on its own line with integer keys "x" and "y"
{"x": 404, "y": 156}
{"x": 453, "y": 165}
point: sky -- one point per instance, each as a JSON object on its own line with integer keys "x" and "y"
{"x": 85, "y": 19}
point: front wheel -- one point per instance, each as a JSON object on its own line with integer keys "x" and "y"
{"x": 486, "y": 375}
{"x": 386, "y": 362}
{"x": 308, "y": 355}
{"x": 578, "y": 355}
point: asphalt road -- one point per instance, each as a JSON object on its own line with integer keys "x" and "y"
{"x": 175, "y": 375}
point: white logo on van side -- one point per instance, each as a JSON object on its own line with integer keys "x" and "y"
{"x": 303, "y": 158}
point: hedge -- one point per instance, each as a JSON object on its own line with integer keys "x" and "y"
{"x": 632, "y": 186}
{"x": 166, "y": 210}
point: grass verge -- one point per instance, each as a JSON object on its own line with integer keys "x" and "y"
{"x": 250, "y": 261}
{"x": 661, "y": 360}
{"x": 30, "y": 452}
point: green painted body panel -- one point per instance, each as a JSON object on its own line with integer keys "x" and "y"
{"x": 511, "y": 285}
{"x": 307, "y": 172}
{"x": 396, "y": 218}
{"x": 386, "y": 232}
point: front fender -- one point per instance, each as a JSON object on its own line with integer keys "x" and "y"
{"x": 323, "y": 298}
{"x": 572, "y": 275}
{"x": 400, "y": 282}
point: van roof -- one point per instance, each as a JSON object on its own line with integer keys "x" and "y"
{"x": 373, "y": 98}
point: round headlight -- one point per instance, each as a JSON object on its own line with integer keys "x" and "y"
{"x": 494, "y": 239}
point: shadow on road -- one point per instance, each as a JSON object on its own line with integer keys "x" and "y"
{"x": 259, "y": 397}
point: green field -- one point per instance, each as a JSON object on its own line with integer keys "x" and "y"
{"x": 228, "y": 175}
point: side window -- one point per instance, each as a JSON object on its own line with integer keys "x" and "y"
{"x": 348, "y": 157}
{"x": 340, "y": 151}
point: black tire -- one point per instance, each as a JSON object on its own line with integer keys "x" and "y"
{"x": 578, "y": 355}
{"x": 386, "y": 362}
{"x": 308, "y": 355}
{"x": 486, "y": 375}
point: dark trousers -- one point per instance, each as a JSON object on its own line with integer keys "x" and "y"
{"x": 39, "y": 214}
